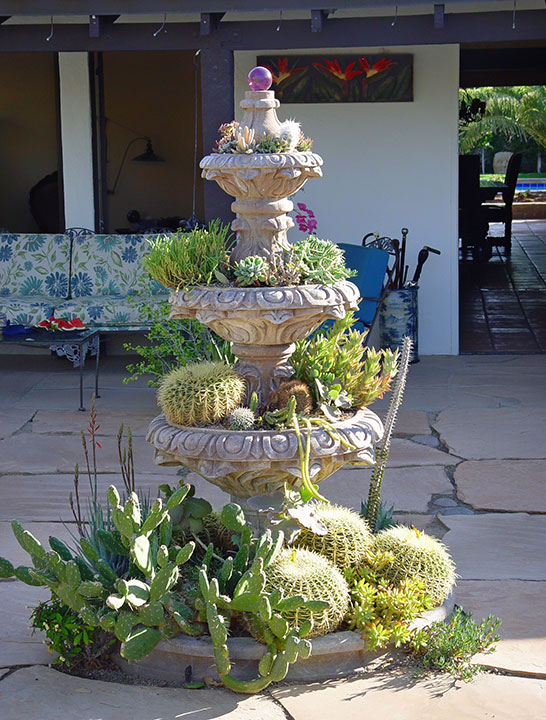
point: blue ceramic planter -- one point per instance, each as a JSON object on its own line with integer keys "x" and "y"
{"x": 398, "y": 318}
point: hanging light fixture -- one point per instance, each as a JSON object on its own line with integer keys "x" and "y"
{"x": 147, "y": 156}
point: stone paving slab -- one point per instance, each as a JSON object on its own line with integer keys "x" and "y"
{"x": 36, "y": 453}
{"x": 515, "y": 485}
{"x": 522, "y": 609}
{"x": 10, "y": 548}
{"x": 40, "y": 692}
{"x": 404, "y": 453}
{"x": 72, "y": 421}
{"x": 398, "y": 696}
{"x": 45, "y": 497}
{"x": 409, "y": 422}
{"x": 13, "y": 420}
{"x": 408, "y": 489}
{"x": 497, "y": 546}
{"x": 142, "y": 399}
{"x": 18, "y": 646}
{"x": 491, "y": 434}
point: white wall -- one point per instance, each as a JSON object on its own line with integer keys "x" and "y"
{"x": 388, "y": 166}
{"x": 77, "y": 147}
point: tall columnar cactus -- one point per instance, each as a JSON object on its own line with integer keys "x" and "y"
{"x": 139, "y": 609}
{"x": 200, "y": 394}
{"x": 314, "y": 577}
{"x": 348, "y": 538}
{"x": 240, "y": 585}
{"x": 417, "y": 554}
{"x": 382, "y": 452}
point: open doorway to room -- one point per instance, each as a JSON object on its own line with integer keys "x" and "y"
{"x": 502, "y": 281}
{"x": 30, "y": 195}
{"x": 145, "y": 108}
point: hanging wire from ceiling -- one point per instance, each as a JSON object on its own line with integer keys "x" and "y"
{"x": 280, "y": 22}
{"x": 393, "y": 23}
{"x": 51, "y": 30}
{"x": 162, "y": 27}
{"x": 514, "y": 16}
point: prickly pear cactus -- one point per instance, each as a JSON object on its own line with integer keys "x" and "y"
{"x": 347, "y": 540}
{"x": 240, "y": 586}
{"x": 139, "y": 610}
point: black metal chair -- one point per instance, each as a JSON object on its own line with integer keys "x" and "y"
{"x": 503, "y": 213}
{"x": 473, "y": 225}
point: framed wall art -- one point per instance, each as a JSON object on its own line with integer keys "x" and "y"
{"x": 341, "y": 78}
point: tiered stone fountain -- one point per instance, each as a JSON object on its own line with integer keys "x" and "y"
{"x": 263, "y": 324}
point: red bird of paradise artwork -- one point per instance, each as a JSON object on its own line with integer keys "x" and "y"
{"x": 341, "y": 78}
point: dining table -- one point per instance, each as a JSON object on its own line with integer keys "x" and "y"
{"x": 490, "y": 190}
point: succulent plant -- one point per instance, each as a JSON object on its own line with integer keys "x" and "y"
{"x": 201, "y": 393}
{"x": 348, "y": 538}
{"x": 240, "y": 586}
{"x": 244, "y": 140}
{"x": 314, "y": 577}
{"x": 290, "y": 133}
{"x": 251, "y": 270}
{"x": 241, "y": 419}
{"x": 139, "y": 609}
{"x": 321, "y": 261}
{"x": 300, "y": 390}
{"x": 417, "y": 554}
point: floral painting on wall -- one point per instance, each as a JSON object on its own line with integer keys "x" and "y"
{"x": 341, "y": 78}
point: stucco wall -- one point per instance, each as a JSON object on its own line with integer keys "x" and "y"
{"x": 388, "y": 166}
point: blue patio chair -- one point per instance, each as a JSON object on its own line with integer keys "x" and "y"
{"x": 371, "y": 265}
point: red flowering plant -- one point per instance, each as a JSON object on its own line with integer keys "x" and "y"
{"x": 53, "y": 324}
{"x": 332, "y": 67}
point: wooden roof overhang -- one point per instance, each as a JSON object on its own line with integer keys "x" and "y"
{"x": 102, "y": 25}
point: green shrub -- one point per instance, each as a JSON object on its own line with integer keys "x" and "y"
{"x": 449, "y": 646}
{"x": 321, "y": 261}
{"x": 74, "y": 641}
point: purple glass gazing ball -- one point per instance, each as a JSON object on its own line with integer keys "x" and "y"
{"x": 259, "y": 78}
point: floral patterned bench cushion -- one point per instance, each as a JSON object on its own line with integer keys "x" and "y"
{"x": 34, "y": 265}
{"x": 26, "y": 310}
{"x": 110, "y": 265}
{"x": 109, "y": 311}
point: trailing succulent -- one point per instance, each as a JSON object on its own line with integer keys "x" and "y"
{"x": 139, "y": 609}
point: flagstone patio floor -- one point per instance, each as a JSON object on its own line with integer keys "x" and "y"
{"x": 468, "y": 464}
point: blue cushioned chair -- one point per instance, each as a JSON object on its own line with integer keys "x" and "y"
{"x": 371, "y": 265}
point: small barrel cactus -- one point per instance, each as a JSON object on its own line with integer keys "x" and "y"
{"x": 241, "y": 419}
{"x": 300, "y": 390}
{"x": 200, "y": 394}
{"x": 348, "y": 538}
{"x": 251, "y": 270}
{"x": 417, "y": 554}
{"x": 302, "y": 572}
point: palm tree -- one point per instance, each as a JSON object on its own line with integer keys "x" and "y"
{"x": 514, "y": 111}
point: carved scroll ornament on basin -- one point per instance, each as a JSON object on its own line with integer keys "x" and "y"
{"x": 255, "y": 462}
{"x": 264, "y": 316}
{"x": 273, "y": 175}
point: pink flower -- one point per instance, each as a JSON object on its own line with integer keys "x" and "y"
{"x": 302, "y": 207}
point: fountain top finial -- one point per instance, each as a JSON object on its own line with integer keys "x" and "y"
{"x": 260, "y": 78}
